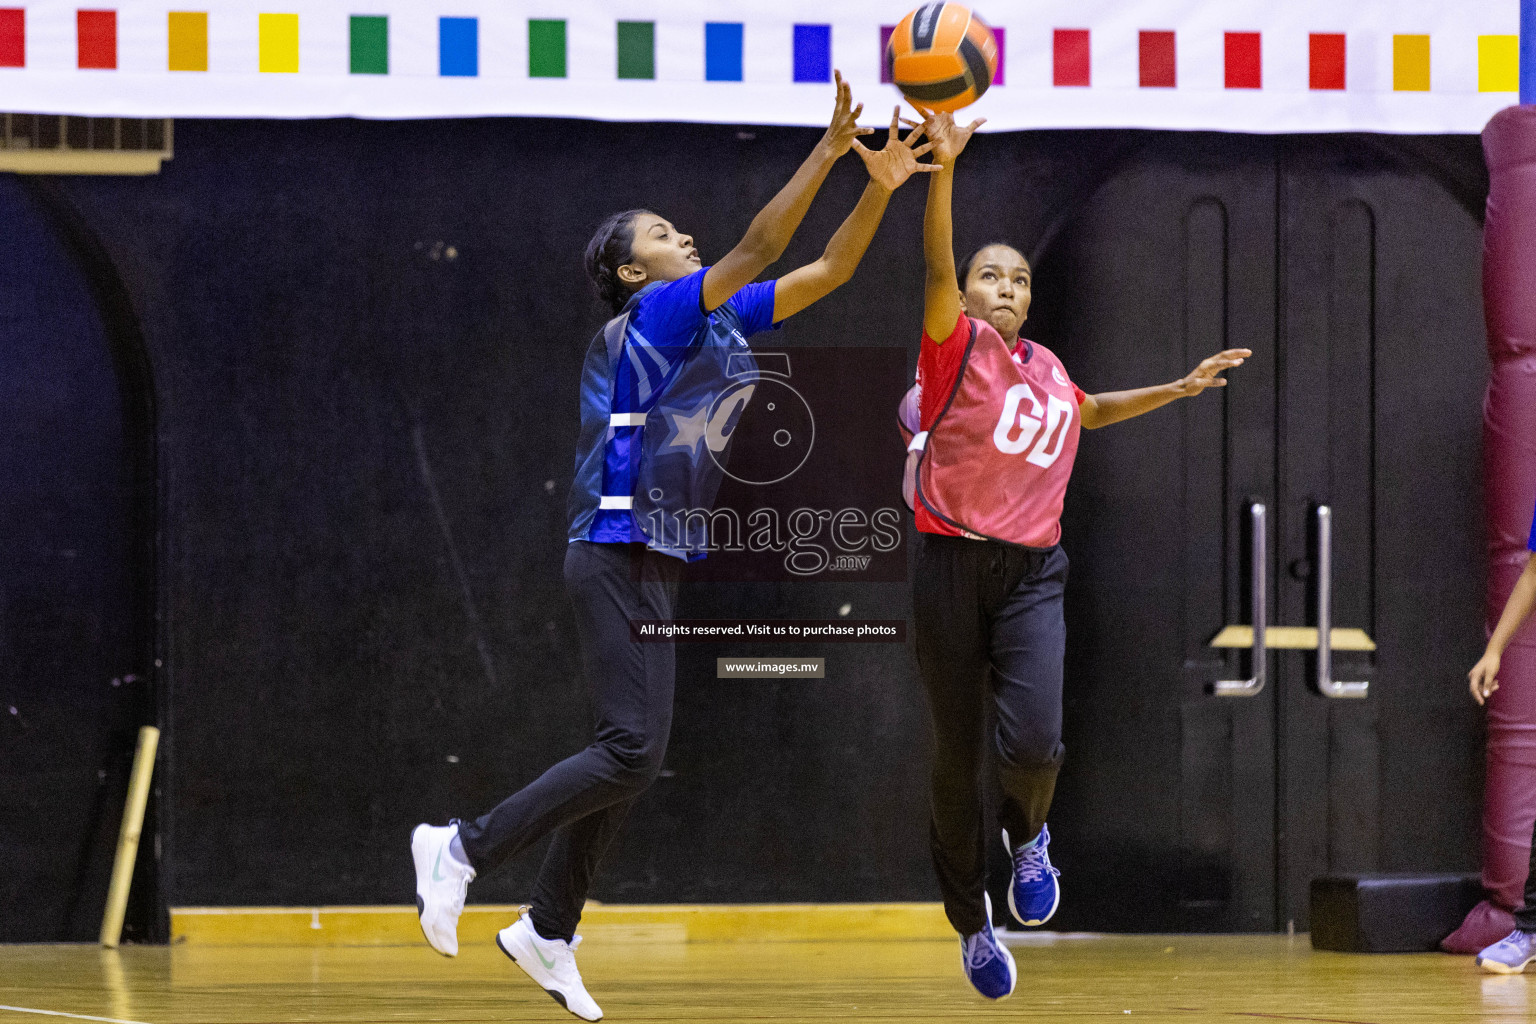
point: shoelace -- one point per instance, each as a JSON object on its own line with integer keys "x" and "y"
{"x": 1031, "y": 865}
{"x": 979, "y": 950}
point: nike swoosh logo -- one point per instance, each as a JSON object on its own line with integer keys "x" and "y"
{"x": 437, "y": 868}
{"x": 549, "y": 965}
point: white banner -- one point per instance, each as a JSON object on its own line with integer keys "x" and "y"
{"x": 1238, "y": 65}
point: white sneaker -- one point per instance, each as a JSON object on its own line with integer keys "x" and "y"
{"x": 441, "y": 882}
{"x": 551, "y": 963}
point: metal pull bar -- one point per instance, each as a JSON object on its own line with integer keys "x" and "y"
{"x": 1253, "y": 687}
{"x": 1326, "y": 684}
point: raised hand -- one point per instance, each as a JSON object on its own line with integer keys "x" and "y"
{"x": 1206, "y": 374}
{"x": 948, "y": 140}
{"x": 897, "y": 162}
{"x": 844, "y": 128}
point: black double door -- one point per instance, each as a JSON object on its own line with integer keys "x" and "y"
{"x": 1351, "y": 268}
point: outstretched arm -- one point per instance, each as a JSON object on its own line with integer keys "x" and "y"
{"x": 1113, "y": 406}
{"x": 776, "y": 223}
{"x": 941, "y": 294}
{"x": 1484, "y": 677}
{"x": 888, "y": 168}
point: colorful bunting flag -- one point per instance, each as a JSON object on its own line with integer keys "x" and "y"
{"x": 368, "y": 44}
{"x": 1309, "y": 65}
{"x": 13, "y": 37}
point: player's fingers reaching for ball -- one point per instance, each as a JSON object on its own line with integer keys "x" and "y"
{"x": 920, "y": 150}
{"x": 846, "y": 120}
{"x": 922, "y": 125}
{"x": 845, "y": 112}
{"x": 844, "y": 127}
{"x": 892, "y": 165}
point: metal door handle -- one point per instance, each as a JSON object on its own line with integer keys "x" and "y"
{"x": 1253, "y": 687}
{"x": 1326, "y": 684}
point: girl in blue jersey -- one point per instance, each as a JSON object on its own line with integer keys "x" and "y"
{"x": 649, "y": 432}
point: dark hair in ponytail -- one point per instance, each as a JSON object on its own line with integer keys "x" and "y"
{"x": 963, "y": 268}
{"x": 612, "y": 247}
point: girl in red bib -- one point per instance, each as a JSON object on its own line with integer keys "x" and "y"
{"x": 993, "y": 423}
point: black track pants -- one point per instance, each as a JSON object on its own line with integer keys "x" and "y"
{"x": 585, "y": 798}
{"x": 989, "y": 627}
{"x": 1525, "y": 917}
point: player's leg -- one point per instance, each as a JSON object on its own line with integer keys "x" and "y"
{"x": 1028, "y": 648}
{"x": 543, "y": 940}
{"x": 609, "y": 584}
{"x": 633, "y": 719}
{"x": 577, "y": 849}
{"x": 951, "y": 657}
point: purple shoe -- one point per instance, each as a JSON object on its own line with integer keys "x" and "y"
{"x": 1510, "y": 954}
{"x": 1034, "y": 892}
{"x": 988, "y": 965}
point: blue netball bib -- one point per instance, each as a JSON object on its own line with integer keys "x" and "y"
{"x": 687, "y": 435}
{"x": 663, "y": 387}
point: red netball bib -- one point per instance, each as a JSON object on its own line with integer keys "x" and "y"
{"x": 998, "y": 437}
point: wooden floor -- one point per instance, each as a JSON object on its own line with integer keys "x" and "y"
{"x": 1185, "y": 979}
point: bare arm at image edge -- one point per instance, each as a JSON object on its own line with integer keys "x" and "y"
{"x": 1484, "y": 677}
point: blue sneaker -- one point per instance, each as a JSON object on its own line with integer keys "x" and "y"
{"x": 988, "y": 965}
{"x": 1034, "y": 894}
{"x": 1510, "y": 954}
